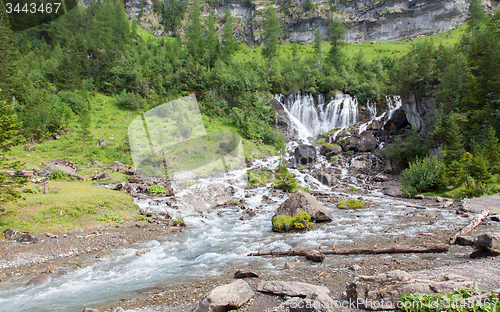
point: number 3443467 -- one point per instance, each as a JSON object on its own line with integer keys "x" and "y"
{"x": 32, "y": 8}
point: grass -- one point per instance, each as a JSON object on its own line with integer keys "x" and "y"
{"x": 67, "y": 205}
{"x": 370, "y": 51}
{"x": 350, "y": 204}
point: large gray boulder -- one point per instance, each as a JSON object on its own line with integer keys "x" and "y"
{"x": 397, "y": 121}
{"x": 226, "y": 297}
{"x": 292, "y": 289}
{"x": 487, "y": 245}
{"x": 300, "y": 200}
{"x": 366, "y": 142}
{"x": 48, "y": 170}
{"x": 323, "y": 177}
{"x": 305, "y": 154}
{"x": 383, "y": 291}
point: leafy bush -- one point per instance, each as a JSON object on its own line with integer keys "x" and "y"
{"x": 448, "y": 302}
{"x": 423, "y": 175}
{"x": 350, "y": 204}
{"x": 58, "y": 175}
{"x": 285, "y": 180}
{"x": 287, "y": 223}
{"x": 156, "y": 189}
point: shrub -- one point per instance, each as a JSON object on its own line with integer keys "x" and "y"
{"x": 334, "y": 158}
{"x": 350, "y": 204}
{"x": 285, "y": 180}
{"x": 58, "y": 175}
{"x": 283, "y": 223}
{"x": 156, "y": 189}
{"x": 423, "y": 175}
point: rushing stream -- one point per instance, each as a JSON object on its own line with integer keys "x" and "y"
{"x": 216, "y": 240}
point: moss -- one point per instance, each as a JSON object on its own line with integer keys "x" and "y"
{"x": 350, "y": 204}
{"x": 283, "y": 223}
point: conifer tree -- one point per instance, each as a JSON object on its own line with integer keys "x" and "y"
{"x": 8, "y": 55}
{"x": 491, "y": 150}
{"x": 335, "y": 35}
{"x": 212, "y": 40}
{"x": 272, "y": 32}
{"x": 194, "y": 33}
{"x": 228, "y": 35}
{"x": 317, "y": 42}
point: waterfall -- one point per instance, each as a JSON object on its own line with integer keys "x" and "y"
{"x": 393, "y": 104}
{"x": 372, "y": 108}
{"x": 310, "y": 119}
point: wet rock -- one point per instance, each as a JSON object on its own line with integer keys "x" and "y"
{"x": 19, "y": 236}
{"x": 388, "y": 287}
{"x": 366, "y": 142}
{"x": 300, "y": 200}
{"x": 244, "y": 274}
{"x": 397, "y": 121}
{"x": 226, "y": 297}
{"x": 97, "y": 164}
{"x": 392, "y": 191}
{"x": 376, "y": 125}
{"x": 305, "y": 154}
{"x": 354, "y": 267}
{"x": 90, "y": 310}
{"x": 315, "y": 256}
{"x": 487, "y": 245}
{"x": 40, "y": 279}
{"x": 359, "y": 164}
{"x": 380, "y": 178}
{"x": 292, "y": 289}
{"x": 465, "y": 241}
{"x": 100, "y": 176}
{"x": 324, "y": 178}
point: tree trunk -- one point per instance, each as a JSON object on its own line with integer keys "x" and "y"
{"x": 346, "y": 251}
{"x": 473, "y": 224}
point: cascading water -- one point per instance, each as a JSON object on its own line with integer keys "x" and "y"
{"x": 393, "y": 104}
{"x": 310, "y": 119}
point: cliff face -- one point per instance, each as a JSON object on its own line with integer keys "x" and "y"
{"x": 364, "y": 19}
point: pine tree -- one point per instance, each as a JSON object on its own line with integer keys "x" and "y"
{"x": 272, "y": 32}
{"x": 228, "y": 35}
{"x": 194, "y": 33}
{"x": 491, "y": 150}
{"x": 317, "y": 42}
{"x": 476, "y": 13}
{"x": 335, "y": 34}
{"x": 212, "y": 40}
{"x": 8, "y": 55}
{"x": 454, "y": 145}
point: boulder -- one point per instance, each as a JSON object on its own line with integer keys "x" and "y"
{"x": 380, "y": 178}
{"x": 19, "y": 236}
{"x": 244, "y": 274}
{"x": 300, "y": 200}
{"x": 330, "y": 150}
{"x": 359, "y": 164}
{"x": 226, "y": 297}
{"x": 116, "y": 166}
{"x": 466, "y": 241}
{"x": 100, "y": 176}
{"x": 305, "y": 154}
{"x": 315, "y": 256}
{"x": 383, "y": 291}
{"x": 487, "y": 244}
{"x": 392, "y": 191}
{"x": 366, "y": 142}
{"x": 47, "y": 171}
{"x": 323, "y": 303}
{"x": 397, "y": 121}
{"x": 376, "y": 125}
{"x": 40, "y": 279}
{"x": 64, "y": 162}
{"x": 97, "y": 164}
{"x": 292, "y": 289}
{"x": 324, "y": 178}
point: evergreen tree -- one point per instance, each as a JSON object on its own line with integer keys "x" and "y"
{"x": 194, "y": 33}
{"x": 491, "y": 150}
{"x": 272, "y": 32}
{"x": 308, "y": 6}
{"x": 212, "y": 40}
{"x": 476, "y": 13}
{"x": 8, "y": 55}
{"x": 454, "y": 145}
{"x": 85, "y": 122}
{"x": 335, "y": 34}
{"x": 228, "y": 35}
{"x": 317, "y": 42}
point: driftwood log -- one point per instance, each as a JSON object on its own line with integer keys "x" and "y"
{"x": 473, "y": 224}
{"x": 356, "y": 251}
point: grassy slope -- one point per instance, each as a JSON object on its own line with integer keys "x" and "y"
{"x": 370, "y": 51}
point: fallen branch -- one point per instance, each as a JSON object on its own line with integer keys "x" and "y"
{"x": 347, "y": 251}
{"x": 473, "y": 224}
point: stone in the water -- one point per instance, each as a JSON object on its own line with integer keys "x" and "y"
{"x": 40, "y": 279}
{"x": 90, "y": 310}
{"x": 315, "y": 256}
{"x": 487, "y": 245}
{"x": 380, "y": 178}
{"x": 244, "y": 274}
{"x": 324, "y": 178}
{"x": 226, "y": 297}
{"x": 366, "y": 142}
{"x": 305, "y": 154}
{"x": 300, "y": 200}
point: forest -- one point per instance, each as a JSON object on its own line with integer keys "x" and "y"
{"x": 49, "y": 74}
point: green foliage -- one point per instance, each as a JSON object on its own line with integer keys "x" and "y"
{"x": 228, "y": 36}
{"x": 58, "y": 175}
{"x": 272, "y": 33}
{"x": 422, "y": 175}
{"x": 110, "y": 218}
{"x": 156, "y": 189}
{"x": 132, "y": 101}
{"x": 455, "y": 302}
{"x": 350, "y": 204}
{"x": 285, "y": 223}
{"x": 408, "y": 151}
{"x": 308, "y": 6}
{"x": 284, "y": 179}
{"x": 335, "y": 34}
{"x": 353, "y": 189}
{"x": 178, "y": 222}
{"x": 334, "y": 158}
